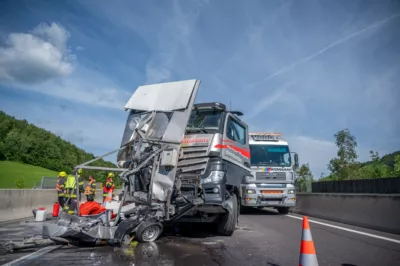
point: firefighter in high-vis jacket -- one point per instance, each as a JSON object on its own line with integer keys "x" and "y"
{"x": 60, "y": 187}
{"x": 70, "y": 195}
{"x": 90, "y": 190}
{"x": 109, "y": 186}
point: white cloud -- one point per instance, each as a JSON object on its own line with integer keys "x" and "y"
{"x": 33, "y": 61}
{"x": 37, "y": 56}
{"x": 279, "y": 95}
{"x": 319, "y": 152}
{"x": 313, "y": 151}
{"x": 85, "y": 86}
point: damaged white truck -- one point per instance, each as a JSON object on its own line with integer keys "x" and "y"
{"x": 179, "y": 161}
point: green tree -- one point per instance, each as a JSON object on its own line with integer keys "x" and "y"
{"x": 396, "y": 166}
{"x": 345, "y": 164}
{"x": 305, "y": 178}
{"x": 375, "y": 169}
{"x": 27, "y": 143}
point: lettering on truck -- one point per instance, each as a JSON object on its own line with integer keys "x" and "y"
{"x": 194, "y": 141}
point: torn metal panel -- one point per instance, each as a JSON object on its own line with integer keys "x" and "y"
{"x": 164, "y": 178}
{"x": 166, "y": 97}
{"x": 179, "y": 120}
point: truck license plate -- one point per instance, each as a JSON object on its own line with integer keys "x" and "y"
{"x": 271, "y": 191}
{"x": 272, "y": 202}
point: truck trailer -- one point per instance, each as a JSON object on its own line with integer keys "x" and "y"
{"x": 271, "y": 183}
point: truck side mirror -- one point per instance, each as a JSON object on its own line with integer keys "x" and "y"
{"x": 296, "y": 160}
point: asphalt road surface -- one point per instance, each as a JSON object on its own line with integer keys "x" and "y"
{"x": 264, "y": 238}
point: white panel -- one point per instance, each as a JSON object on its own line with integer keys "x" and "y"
{"x": 167, "y": 96}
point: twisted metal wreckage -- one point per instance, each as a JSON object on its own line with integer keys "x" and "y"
{"x": 148, "y": 162}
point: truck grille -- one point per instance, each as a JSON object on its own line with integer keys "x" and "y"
{"x": 193, "y": 152}
{"x": 271, "y": 176}
{"x": 193, "y": 159}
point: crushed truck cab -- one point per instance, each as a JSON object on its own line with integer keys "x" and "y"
{"x": 179, "y": 162}
{"x": 271, "y": 183}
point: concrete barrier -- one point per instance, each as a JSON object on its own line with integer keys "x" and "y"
{"x": 379, "y": 212}
{"x": 19, "y": 203}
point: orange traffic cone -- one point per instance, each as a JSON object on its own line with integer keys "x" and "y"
{"x": 308, "y": 257}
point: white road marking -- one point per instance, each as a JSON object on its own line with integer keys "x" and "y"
{"x": 348, "y": 230}
{"x": 33, "y": 255}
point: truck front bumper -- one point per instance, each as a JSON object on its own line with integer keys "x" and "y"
{"x": 259, "y": 199}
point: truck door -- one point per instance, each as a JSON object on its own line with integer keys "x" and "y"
{"x": 235, "y": 142}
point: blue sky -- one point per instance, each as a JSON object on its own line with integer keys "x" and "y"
{"x": 304, "y": 68}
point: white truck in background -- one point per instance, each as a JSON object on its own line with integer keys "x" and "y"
{"x": 271, "y": 183}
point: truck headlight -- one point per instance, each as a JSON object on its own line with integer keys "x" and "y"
{"x": 250, "y": 191}
{"x": 214, "y": 177}
{"x": 291, "y": 191}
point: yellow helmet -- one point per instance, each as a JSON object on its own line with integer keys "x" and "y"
{"x": 62, "y": 174}
{"x": 110, "y": 175}
{"x": 80, "y": 171}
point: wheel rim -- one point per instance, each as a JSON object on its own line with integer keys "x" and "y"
{"x": 148, "y": 251}
{"x": 150, "y": 233}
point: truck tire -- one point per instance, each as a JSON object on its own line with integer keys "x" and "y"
{"x": 148, "y": 231}
{"x": 283, "y": 210}
{"x": 227, "y": 224}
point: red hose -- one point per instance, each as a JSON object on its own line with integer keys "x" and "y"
{"x": 91, "y": 208}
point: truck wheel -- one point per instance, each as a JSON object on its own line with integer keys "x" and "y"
{"x": 148, "y": 231}
{"x": 283, "y": 210}
{"x": 146, "y": 251}
{"x": 227, "y": 225}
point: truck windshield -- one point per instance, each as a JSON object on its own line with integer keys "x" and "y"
{"x": 270, "y": 155}
{"x": 204, "y": 121}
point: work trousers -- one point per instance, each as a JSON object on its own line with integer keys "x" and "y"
{"x": 71, "y": 206}
{"x": 61, "y": 201}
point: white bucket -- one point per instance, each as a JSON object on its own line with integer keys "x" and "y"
{"x": 41, "y": 215}
{"x": 112, "y": 205}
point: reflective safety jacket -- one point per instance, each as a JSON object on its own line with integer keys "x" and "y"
{"x": 91, "y": 188}
{"x": 81, "y": 190}
{"x": 109, "y": 187}
{"x": 70, "y": 187}
{"x": 60, "y": 187}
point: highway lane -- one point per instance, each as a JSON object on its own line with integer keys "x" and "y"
{"x": 263, "y": 238}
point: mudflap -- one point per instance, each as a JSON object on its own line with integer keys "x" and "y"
{"x": 125, "y": 228}
{"x": 229, "y": 221}
{"x": 228, "y": 204}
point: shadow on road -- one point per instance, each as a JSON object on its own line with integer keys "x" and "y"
{"x": 255, "y": 211}
{"x": 191, "y": 230}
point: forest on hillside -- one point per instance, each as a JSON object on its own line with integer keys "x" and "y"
{"x": 23, "y": 142}
{"x": 345, "y": 166}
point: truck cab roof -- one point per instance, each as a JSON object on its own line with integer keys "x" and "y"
{"x": 215, "y": 106}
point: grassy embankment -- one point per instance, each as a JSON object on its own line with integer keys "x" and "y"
{"x": 11, "y": 171}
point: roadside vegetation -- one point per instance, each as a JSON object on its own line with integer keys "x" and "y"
{"x": 28, "y": 152}
{"x": 19, "y": 175}
{"x": 345, "y": 165}
{"x": 27, "y": 144}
